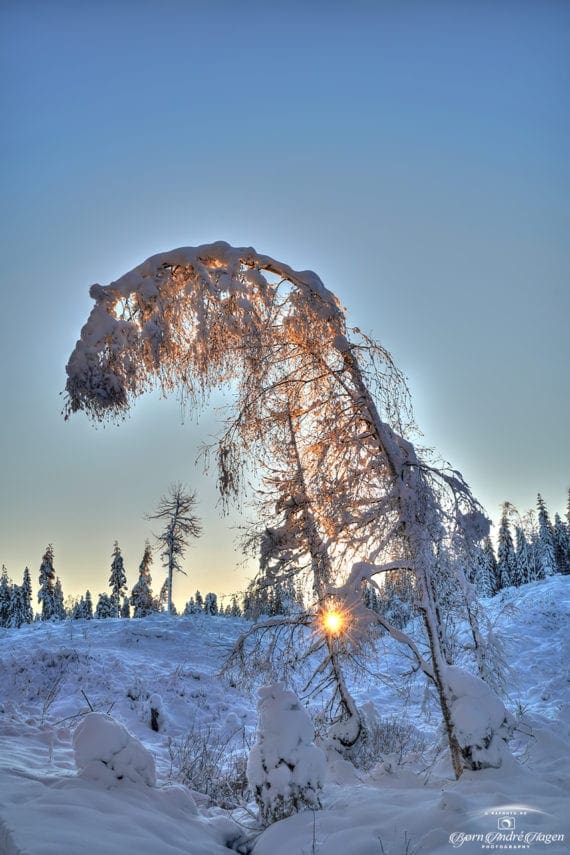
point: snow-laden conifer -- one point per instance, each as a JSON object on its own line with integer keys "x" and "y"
{"x": 27, "y": 597}
{"x": 506, "y": 557}
{"x": 523, "y": 557}
{"x": 211, "y": 604}
{"x": 117, "y": 579}
{"x": 106, "y": 607}
{"x": 561, "y": 538}
{"x": 47, "y": 582}
{"x": 545, "y": 543}
{"x": 142, "y": 598}
{"x": 285, "y": 769}
{"x": 5, "y": 597}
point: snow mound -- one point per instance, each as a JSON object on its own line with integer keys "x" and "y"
{"x": 105, "y": 751}
{"x": 285, "y": 769}
{"x": 484, "y": 725}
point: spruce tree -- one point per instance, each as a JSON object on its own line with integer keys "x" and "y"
{"x": 16, "y": 615}
{"x": 125, "y": 608}
{"x": 211, "y": 604}
{"x": 58, "y": 604}
{"x": 106, "y": 607}
{"x": 117, "y": 579}
{"x": 483, "y": 573}
{"x": 88, "y": 606}
{"x": 491, "y": 565}
{"x": 27, "y": 597}
{"x": 561, "y": 536}
{"x": 46, "y": 593}
{"x": 506, "y": 557}
{"x": 199, "y": 601}
{"x": 524, "y": 572}
{"x": 5, "y": 597}
{"x": 142, "y": 598}
{"x": 546, "y": 553}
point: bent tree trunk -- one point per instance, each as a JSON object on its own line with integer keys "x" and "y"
{"x": 198, "y": 317}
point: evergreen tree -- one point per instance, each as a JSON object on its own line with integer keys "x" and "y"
{"x": 88, "y": 606}
{"x": 545, "y": 544}
{"x": 117, "y": 579}
{"x": 27, "y": 597}
{"x": 46, "y": 593}
{"x": 199, "y": 601}
{"x": 524, "y": 571}
{"x": 211, "y": 604}
{"x": 163, "y": 597}
{"x": 125, "y": 608}
{"x": 106, "y": 607}
{"x": 235, "y": 610}
{"x": 479, "y": 573}
{"x": 190, "y": 608}
{"x": 58, "y": 604}
{"x": 506, "y": 557}
{"x": 78, "y": 610}
{"x": 16, "y": 615}
{"x": 491, "y": 565}
{"x": 142, "y": 598}
{"x": 5, "y": 588}
{"x": 561, "y": 535}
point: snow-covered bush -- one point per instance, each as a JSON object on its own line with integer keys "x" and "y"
{"x": 483, "y": 725}
{"x": 105, "y": 751}
{"x": 285, "y": 769}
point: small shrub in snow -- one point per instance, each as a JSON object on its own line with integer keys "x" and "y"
{"x": 383, "y": 738}
{"x": 156, "y": 712}
{"x": 285, "y": 769}
{"x": 210, "y": 763}
{"x": 106, "y": 752}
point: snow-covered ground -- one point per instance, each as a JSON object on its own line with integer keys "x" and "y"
{"x": 51, "y": 674}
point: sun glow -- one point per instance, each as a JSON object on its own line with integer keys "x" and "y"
{"x": 333, "y": 621}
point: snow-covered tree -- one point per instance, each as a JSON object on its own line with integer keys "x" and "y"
{"x": 27, "y": 597}
{"x": 506, "y": 556}
{"x": 177, "y": 510}
{"x": 523, "y": 557}
{"x": 117, "y": 579}
{"x": 125, "y": 608}
{"x": 142, "y": 598}
{"x": 545, "y": 543}
{"x": 59, "y": 612}
{"x": 211, "y": 604}
{"x": 16, "y": 615}
{"x": 491, "y": 565}
{"x": 88, "y": 606}
{"x": 198, "y": 317}
{"x": 106, "y": 607}
{"x": 199, "y": 601}
{"x": 5, "y": 588}
{"x": 47, "y": 582}
{"x": 561, "y": 537}
{"x": 191, "y": 608}
{"x": 285, "y": 769}
{"x": 234, "y": 609}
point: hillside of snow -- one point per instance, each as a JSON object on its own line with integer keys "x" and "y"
{"x": 163, "y": 672}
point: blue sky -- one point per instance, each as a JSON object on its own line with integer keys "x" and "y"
{"x": 414, "y": 154}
